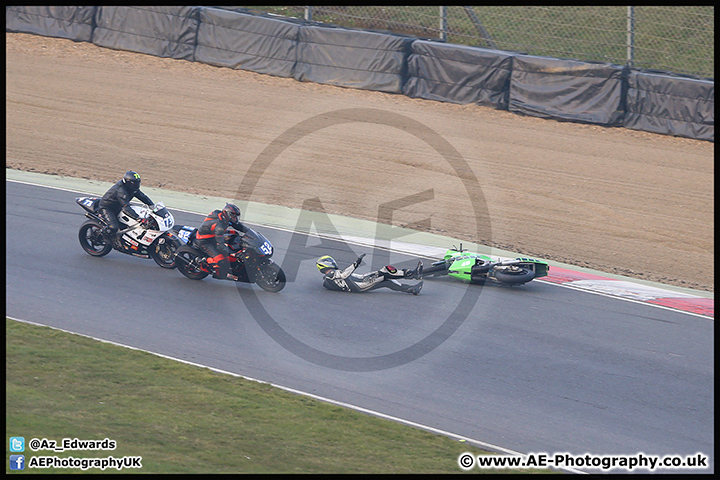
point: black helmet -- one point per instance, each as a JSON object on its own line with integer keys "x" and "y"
{"x": 132, "y": 180}
{"x": 230, "y": 213}
{"x": 325, "y": 263}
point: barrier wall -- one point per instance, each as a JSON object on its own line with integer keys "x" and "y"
{"x": 75, "y": 23}
{"x": 459, "y": 74}
{"x": 160, "y": 31}
{"x": 570, "y": 90}
{"x": 247, "y": 42}
{"x": 670, "y": 105}
{"x": 567, "y": 90}
{"x": 352, "y": 58}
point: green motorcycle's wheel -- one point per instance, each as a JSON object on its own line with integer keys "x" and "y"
{"x": 514, "y": 275}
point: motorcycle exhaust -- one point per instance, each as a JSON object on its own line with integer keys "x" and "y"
{"x": 184, "y": 260}
{"x": 508, "y": 262}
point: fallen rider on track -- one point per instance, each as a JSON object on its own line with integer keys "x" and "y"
{"x": 348, "y": 281}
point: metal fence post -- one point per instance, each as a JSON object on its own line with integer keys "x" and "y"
{"x": 443, "y": 24}
{"x": 630, "y": 36}
{"x": 484, "y": 34}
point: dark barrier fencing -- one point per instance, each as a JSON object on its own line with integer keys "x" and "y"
{"x": 352, "y": 58}
{"x": 160, "y": 31}
{"x": 247, "y": 42}
{"x": 670, "y": 105}
{"x": 569, "y": 90}
{"x": 75, "y": 23}
{"x": 458, "y": 74}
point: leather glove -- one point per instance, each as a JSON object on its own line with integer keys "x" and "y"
{"x": 144, "y": 222}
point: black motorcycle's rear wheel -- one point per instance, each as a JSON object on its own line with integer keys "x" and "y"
{"x": 270, "y": 277}
{"x": 514, "y": 275}
{"x": 187, "y": 263}
{"x": 92, "y": 240}
{"x": 163, "y": 251}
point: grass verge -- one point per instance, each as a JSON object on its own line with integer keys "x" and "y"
{"x": 185, "y": 419}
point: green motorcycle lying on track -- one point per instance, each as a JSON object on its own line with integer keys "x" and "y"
{"x": 476, "y": 268}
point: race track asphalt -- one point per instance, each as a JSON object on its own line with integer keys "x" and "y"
{"x": 537, "y": 368}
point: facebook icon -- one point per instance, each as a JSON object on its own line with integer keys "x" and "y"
{"x": 17, "y": 462}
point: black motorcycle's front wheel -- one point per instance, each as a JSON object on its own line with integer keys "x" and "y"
{"x": 187, "y": 263}
{"x": 163, "y": 251}
{"x": 92, "y": 240}
{"x": 270, "y": 277}
{"x": 514, "y": 275}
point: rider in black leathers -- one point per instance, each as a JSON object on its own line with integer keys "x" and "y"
{"x": 118, "y": 198}
{"x": 347, "y": 281}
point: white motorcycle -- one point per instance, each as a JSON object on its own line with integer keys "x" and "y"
{"x": 157, "y": 239}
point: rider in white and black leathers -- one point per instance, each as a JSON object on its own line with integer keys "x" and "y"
{"x": 118, "y": 198}
{"x": 347, "y": 281}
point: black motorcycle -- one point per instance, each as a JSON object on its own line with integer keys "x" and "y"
{"x": 156, "y": 239}
{"x": 249, "y": 260}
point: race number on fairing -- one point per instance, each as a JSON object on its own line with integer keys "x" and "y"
{"x": 266, "y": 248}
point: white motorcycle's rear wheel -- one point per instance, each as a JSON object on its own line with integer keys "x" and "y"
{"x": 92, "y": 240}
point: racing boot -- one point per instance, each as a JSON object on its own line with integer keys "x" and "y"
{"x": 117, "y": 241}
{"x": 223, "y": 271}
{"x": 415, "y": 289}
{"x": 214, "y": 267}
{"x": 417, "y": 273}
{"x": 107, "y": 232}
{"x": 111, "y": 236}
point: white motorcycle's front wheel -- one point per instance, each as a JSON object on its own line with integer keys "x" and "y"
{"x": 163, "y": 251}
